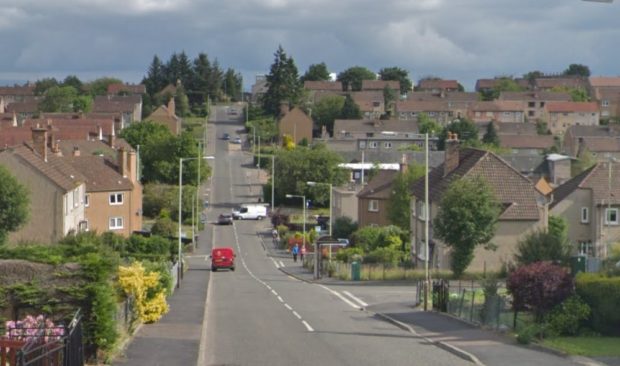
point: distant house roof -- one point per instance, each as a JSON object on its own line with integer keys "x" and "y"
{"x": 101, "y": 175}
{"x": 117, "y": 88}
{"x": 535, "y": 95}
{"x": 61, "y": 129}
{"x": 17, "y": 90}
{"x": 115, "y": 103}
{"x": 485, "y": 84}
{"x": 526, "y": 141}
{"x": 598, "y": 82}
{"x": 380, "y": 186}
{"x": 516, "y": 128}
{"x": 515, "y": 192}
{"x": 498, "y": 106}
{"x": 28, "y": 105}
{"x": 594, "y": 179}
{"x": 453, "y": 96}
{"x": 323, "y": 85}
{"x": 380, "y": 84}
{"x": 367, "y": 100}
{"x": 582, "y": 131}
{"x": 601, "y": 144}
{"x": 375, "y": 126}
{"x": 553, "y": 82}
{"x": 422, "y": 106}
{"x": 429, "y": 84}
{"x": 572, "y": 107}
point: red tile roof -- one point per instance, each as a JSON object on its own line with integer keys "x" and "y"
{"x": 498, "y": 106}
{"x": 438, "y": 84}
{"x": 604, "y": 81}
{"x": 571, "y": 107}
{"x": 526, "y": 141}
{"x": 128, "y": 88}
{"x": 380, "y": 84}
{"x": 323, "y": 85}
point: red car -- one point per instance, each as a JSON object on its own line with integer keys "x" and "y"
{"x": 223, "y": 257}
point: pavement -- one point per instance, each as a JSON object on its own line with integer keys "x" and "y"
{"x": 477, "y": 345}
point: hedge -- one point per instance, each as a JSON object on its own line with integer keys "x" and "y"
{"x": 603, "y": 295}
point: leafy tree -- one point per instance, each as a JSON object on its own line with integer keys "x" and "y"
{"x": 503, "y": 84}
{"x": 145, "y": 133}
{"x": 578, "y": 70}
{"x": 73, "y": 81}
{"x": 467, "y": 218}
{"x": 398, "y": 74}
{"x": 316, "y": 72}
{"x": 490, "y": 137}
{"x": 585, "y": 161}
{"x": 232, "y": 82}
{"x": 533, "y": 75}
{"x": 165, "y": 227}
{"x": 266, "y": 129}
{"x": 541, "y": 127}
{"x": 41, "y": 86}
{"x": 326, "y": 110}
{"x": 181, "y": 102}
{"x": 58, "y": 99}
{"x": 14, "y": 204}
{"x": 465, "y": 129}
{"x": 344, "y": 226}
{"x": 558, "y": 228}
{"x": 300, "y": 165}
{"x": 389, "y": 98}
{"x": 283, "y": 83}
{"x": 350, "y": 109}
{"x": 539, "y": 287}
{"x": 577, "y": 94}
{"x": 428, "y": 125}
{"x": 155, "y": 79}
{"x": 542, "y": 245}
{"x": 353, "y": 77}
{"x": 399, "y": 210}
{"x": 100, "y": 86}
{"x": 83, "y": 103}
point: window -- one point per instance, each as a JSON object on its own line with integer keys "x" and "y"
{"x": 369, "y": 134}
{"x": 604, "y": 103}
{"x": 362, "y": 144}
{"x": 116, "y": 223}
{"x": 531, "y": 104}
{"x": 585, "y": 215}
{"x": 373, "y": 206}
{"x": 83, "y": 226}
{"x": 116, "y": 199}
{"x": 373, "y": 144}
{"x": 530, "y": 113}
{"x": 585, "y": 248}
{"x": 611, "y": 216}
{"x": 387, "y": 145}
{"x": 86, "y": 200}
{"x": 542, "y": 104}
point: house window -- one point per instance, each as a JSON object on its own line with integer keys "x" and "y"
{"x": 116, "y": 223}
{"x": 585, "y": 248}
{"x": 585, "y": 215}
{"x": 86, "y": 200}
{"x": 531, "y": 104}
{"x": 478, "y": 114}
{"x": 362, "y": 144}
{"x": 604, "y": 103}
{"x": 387, "y": 145}
{"x": 83, "y": 226}
{"x": 373, "y": 144}
{"x": 489, "y": 114}
{"x": 369, "y": 134}
{"x": 542, "y": 104}
{"x": 611, "y": 216}
{"x": 530, "y": 113}
{"x": 116, "y": 199}
{"x": 373, "y": 206}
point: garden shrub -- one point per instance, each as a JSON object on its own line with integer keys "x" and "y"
{"x": 603, "y": 295}
{"x": 567, "y": 317}
{"x": 143, "y": 285}
{"x": 347, "y": 255}
{"x": 383, "y": 255}
{"x": 528, "y": 334}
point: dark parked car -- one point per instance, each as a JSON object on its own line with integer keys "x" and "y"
{"x": 225, "y": 219}
{"x": 225, "y": 136}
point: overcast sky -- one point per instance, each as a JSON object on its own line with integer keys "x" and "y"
{"x": 452, "y": 39}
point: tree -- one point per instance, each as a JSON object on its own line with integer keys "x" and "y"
{"x": 73, "y": 81}
{"x": 326, "y": 110}
{"x": 353, "y": 77}
{"x": 58, "y": 99}
{"x": 541, "y": 127}
{"x": 577, "y": 70}
{"x": 14, "y": 204}
{"x": 316, "y": 72}
{"x": 467, "y": 218}
{"x": 503, "y": 84}
{"x": 398, "y": 208}
{"x": 381, "y": 243}
{"x": 542, "y": 245}
{"x": 466, "y": 130}
{"x": 344, "y": 226}
{"x": 389, "y": 98}
{"x": 428, "y": 125}
{"x": 576, "y": 94}
{"x": 398, "y": 74}
{"x": 83, "y": 103}
{"x": 41, "y": 86}
{"x": 232, "y": 82}
{"x": 100, "y": 86}
{"x": 490, "y": 137}
{"x": 350, "y": 109}
{"x": 539, "y": 287}
{"x": 155, "y": 79}
{"x": 282, "y": 82}
{"x": 181, "y": 102}
{"x": 585, "y": 161}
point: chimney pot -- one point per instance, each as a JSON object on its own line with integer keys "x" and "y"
{"x": 76, "y": 151}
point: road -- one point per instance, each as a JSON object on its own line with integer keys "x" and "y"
{"x": 257, "y": 315}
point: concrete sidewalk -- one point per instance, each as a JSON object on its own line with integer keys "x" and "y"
{"x": 481, "y": 347}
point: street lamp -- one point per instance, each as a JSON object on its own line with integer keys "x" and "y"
{"x": 312, "y": 184}
{"x": 316, "y": 253}
{"x": 180, "y": 244}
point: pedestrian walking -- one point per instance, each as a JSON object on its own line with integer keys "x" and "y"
{"x": 295, "y": 252}
{"x": 302, "y": 252}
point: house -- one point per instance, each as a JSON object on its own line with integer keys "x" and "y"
{"x": 166, "y": 115}
{"x": 488, "y": 85}
{"x": 555, "y": 82}
{"x": 333, "y": 86}
{"x": 590, "y": 202}
{"x": 517, "y": 195}
{"x": 113, "y": 199}
{"x": 371, "y": 103}
{"x": 561, "y": 115}
{"x": 126, "y": 89}
{"x": 440, "y": 111}
{"x": 129, "y": 107}
{"x": 437, "y": 86}
{"x": 535, "y": 101}
{"x": 16, "y": 93}
{"x": 536, "y": 144}
{"x": 56, "y": 190}
{"x": 259, "y": 88}
{"x": 58, "y": 129}
{"x": 501, "y": 111}
{"x": 574, "y": 134}
{"x": 295, "y": 123}
{"x": 601, "y": 147}
{"x": 345, "y": 202}
{"x": 606, "y": 92}
{"x": 380, "y": 85}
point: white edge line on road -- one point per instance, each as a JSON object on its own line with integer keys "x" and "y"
{"x": 274, "y": 292}
{"x": 288, "y": 307}
{"x": 307, "y": 326}
{"x": 347, "y": 301}
{"x": 280, "y": 299}
{"x": 282, "y": 264}
{"x": 297, "y": 315}
{"x": 202, "y": 349}
{"x": 358, "y": 300}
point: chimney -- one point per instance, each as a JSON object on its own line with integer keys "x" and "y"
{"x": 76, "y": 151}
{"x": 14, "y": 119}
{"x": 100, "y": 132}
{"x": 451, "y": 161}
{"x": 403, "y": 163}
{"x": 39, "y": 141}
{"x": 284, "y": 108}
{"x": 111, "y": 140}
{"x": 132, "y": 166}
{"x": 121, "y": 157}
{"x": 171, "y": 108}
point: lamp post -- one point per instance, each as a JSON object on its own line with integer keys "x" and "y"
{"x": 316, "y": 252}
{"x": 312, "y": 184}
{"x": 180, "y": 243}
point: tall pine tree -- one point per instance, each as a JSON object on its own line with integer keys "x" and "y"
{"x": 282, "y": 82}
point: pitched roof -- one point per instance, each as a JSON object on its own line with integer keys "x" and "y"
{"x": 101, "y": 174}
{"x": 55, "y": 169}
{"x": 28, "y": 105}
{"x": 380, "y": 186}
{"x": 515, "y": 192}
{"x": 604, "y": 81}
{"x": 595, "y": 179}
{"x": 447, "y": 96}
{"x": 129, "y": 88}
{"x": 601, "y": 143}
{"x": 376, "y": 126}
{"x": 323, "y": 85}
{"x": 572, "y": 107}
{"x": 526, "y": 141}
{"x": 516, "y": 128}
{"x": 93, "y": 147}
{"x": 422, "y": 106}
{"x": 380, "y": 84}
{"x": 498, "y": 106}
{"x": 535, "y": 95}
{"x": 367, "y": 99}
{"x": 438, "y": 84}
{"x": 583, "y": 131}
{"x": 17, "y": 90}
{"x": 115, "y": 103}
{"x": 570, "y": 82}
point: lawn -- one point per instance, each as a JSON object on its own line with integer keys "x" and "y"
{"x": 586, "y": 346}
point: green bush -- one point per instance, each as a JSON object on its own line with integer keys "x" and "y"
{"x": 528, "y": 334}
{"x": 347, "y": 255}
{"x": 603, "y": 295}
{"x": 567, "y": 317}
{"x": 383, "y": 255}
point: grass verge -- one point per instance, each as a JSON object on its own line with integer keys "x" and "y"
{"x": 586, "y": 346}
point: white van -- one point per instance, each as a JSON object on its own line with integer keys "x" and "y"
{"x": 248, "y": 211}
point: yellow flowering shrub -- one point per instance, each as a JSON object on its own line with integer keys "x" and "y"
{"x": 287, "y": 142}
{"x": 135, "y": 281}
